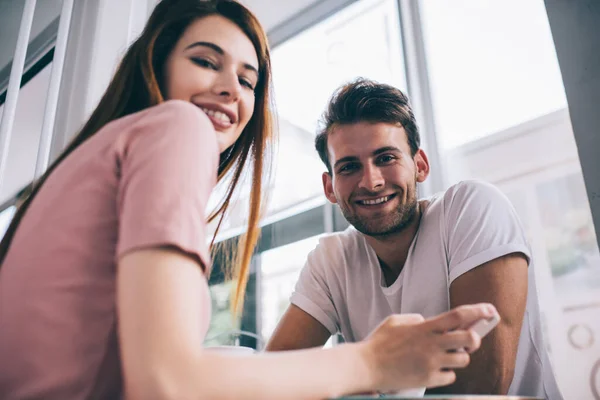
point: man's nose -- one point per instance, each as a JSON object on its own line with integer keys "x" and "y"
{"x": 372, "y": 179}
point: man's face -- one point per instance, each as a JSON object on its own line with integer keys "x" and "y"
{"x": 374, "y": 177}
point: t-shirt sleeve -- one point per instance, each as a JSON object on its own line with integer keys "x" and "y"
{"x": 168, "y": 167}
{"x": 481, "y": 225}
{"x": 312, "y": 293}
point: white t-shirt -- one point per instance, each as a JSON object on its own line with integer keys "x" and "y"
{"x": 342, "y": 285}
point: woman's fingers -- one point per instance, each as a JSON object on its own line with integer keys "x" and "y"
{"x": 459, "y": 359}
{"x": 461, "y": 339}
{"x": 405, "y": 319}
{"x": 460, "y": 317}
{"x": 442, "y": 378}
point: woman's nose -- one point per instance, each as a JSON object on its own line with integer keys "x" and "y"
{"x": 228, "y": 86}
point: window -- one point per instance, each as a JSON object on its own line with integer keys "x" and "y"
{"x": 362, "y": 39}
{"x": 492, "y": 66}
{"x": 500, "y": 115}
{"x": 26, "y": 133}
{"x": 222, "y": 324}
{"x": 280, "y": 269}
{"x": 22, "y": 152}
{"x": 5, "y": 218}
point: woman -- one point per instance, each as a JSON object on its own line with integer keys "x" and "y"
{"x": 103, "y": 289}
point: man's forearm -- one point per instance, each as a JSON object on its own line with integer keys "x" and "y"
{"x": 495, "y": 382}
{"x": 486, "y": 374}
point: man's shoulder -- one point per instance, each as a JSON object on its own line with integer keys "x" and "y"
{"x": 339, "y": 247}
{"x": 470, "y": 193}
{"x": 466, "y": 199}
{"x": 470, "y": 188}
{"x": 349, "y": 238}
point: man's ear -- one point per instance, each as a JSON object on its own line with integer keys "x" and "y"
{"x": 328, "y": 187}
{"x": 421, "y": 165}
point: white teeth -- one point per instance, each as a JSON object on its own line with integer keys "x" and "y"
{"x": 217, "y": 115}
{"x": 376, "y": 201}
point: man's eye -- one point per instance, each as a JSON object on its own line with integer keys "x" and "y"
{"x": 347, "y": 168}
{"x": 386, "y": 158}
{"x": 202, "y": 62}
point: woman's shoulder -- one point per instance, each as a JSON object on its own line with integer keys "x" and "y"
{"x": 173, "y": 113}
{"x": 181, "y": 108}
{"x": 170, "y": 121}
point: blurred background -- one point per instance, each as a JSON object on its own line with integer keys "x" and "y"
{"x": 485, "y": 82}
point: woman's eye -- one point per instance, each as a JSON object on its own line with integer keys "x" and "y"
{"x": 247, "y": 84}
{"x": 202, "y": 62}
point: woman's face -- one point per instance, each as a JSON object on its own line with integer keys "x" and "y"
{"x": 215, "y": 67}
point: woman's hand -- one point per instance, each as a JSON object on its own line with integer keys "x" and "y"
{"x": 407, "y": 351}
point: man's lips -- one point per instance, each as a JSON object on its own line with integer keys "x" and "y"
{"x": 374, "y": 201}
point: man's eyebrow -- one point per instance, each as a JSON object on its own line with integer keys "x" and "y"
{"x": 375, "y": 153}
{"x": 219, "y": 50}
{"x": 345, "y": 159}
{"x": 386, "y": 149}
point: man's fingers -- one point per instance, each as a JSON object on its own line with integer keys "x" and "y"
{"x": 461, "y": 317}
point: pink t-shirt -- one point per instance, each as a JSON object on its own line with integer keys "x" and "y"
{"x": 142, "y": 181}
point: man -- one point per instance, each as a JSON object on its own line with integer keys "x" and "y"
{"x": 404, "y": 255}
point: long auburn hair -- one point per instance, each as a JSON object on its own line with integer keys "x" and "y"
{"x": 137, "y": 85}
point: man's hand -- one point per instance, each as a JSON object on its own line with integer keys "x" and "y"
{"x": 503, "y": 283}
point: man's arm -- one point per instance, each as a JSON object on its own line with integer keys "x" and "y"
{"x": 502, "y": 282}
{"x": 297, "y": 330}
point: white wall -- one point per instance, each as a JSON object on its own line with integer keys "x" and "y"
{"x": 273, "y": 12}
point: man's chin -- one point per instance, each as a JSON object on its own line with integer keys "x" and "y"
{"x": 377, "y": 233}
{"x": 372, "y": 228}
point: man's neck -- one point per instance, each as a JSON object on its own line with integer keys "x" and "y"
{"x": 392, "y": 250}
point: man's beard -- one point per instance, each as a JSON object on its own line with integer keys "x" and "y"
{"x": 389, "y": 224}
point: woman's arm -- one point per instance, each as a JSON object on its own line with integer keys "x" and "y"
{"x": 159, "y": 300}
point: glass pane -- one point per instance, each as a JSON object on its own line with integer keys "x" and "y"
{"x": 554, "y": 208}
{"x": 500, "y": 113}
{"x": 5, "y": 218}
{"x": 27, "y": 128}
{"x": 11, "y": 13}
{"x": 32, "y": 97}
{"x": 362, "y": 39}
{"x": 280, "y": 268}
{"x": 492, "y": 65}
{"x": 222, "y": 322}
{"x": 570, "y": 240}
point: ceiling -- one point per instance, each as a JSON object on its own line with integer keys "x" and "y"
{"x": 274, "y": 12}
{"x": 45, "y": 25}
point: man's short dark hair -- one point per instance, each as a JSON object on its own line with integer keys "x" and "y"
{"x": 364, "y": 100}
